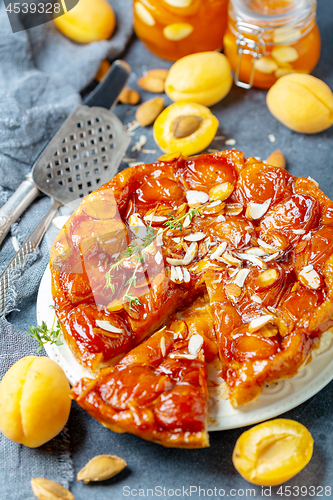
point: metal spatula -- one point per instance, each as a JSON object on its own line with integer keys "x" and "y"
{"x": 95, "y": 143}
{"x": 84, "y": 154}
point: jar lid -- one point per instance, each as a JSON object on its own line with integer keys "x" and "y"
{"x": 276, "y": 12}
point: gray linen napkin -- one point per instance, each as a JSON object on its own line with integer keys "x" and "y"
{"x": 41, "y": 75}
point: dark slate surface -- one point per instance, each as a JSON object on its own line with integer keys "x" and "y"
{"x": 243, "y": 116}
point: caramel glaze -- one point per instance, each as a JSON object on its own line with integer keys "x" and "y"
{"x": 298, "y": 224}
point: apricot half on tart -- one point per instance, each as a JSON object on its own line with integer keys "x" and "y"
{"x": 251, "y": 241}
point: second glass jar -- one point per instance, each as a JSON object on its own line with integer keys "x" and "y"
{"x": 267, "y": 39}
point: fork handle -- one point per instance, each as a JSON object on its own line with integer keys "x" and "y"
{"x": 16, "y": 205}
{"x": 28, "y": 247}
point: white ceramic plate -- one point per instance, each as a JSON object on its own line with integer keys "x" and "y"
{"x": 275, "y": 399}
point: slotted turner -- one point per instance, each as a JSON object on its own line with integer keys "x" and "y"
{"x": 84, "y": 154}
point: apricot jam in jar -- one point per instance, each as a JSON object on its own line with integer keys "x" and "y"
{"x": 175, "y": 28}
{"x": 266, "y": 39}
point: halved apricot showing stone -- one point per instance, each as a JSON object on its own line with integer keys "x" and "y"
{"x": 186, "y": 127}
{"x": 273, "y": 452}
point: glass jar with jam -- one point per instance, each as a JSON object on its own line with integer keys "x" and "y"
{"x": 175, "y": 28}
{"x": 267, "y": 39}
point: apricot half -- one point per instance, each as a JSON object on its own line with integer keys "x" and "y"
{"x": 204, "y": 78}
{"x": 34, "y": 401}
{"x": 89, "y": 21}
{"x": 302, "y": 103}
{"x": 186, "y": 127}
{"x": 273, "y": 452}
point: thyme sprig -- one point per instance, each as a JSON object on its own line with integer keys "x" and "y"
{"x": 136, "y": 250}
{"x": 44, "y": 335}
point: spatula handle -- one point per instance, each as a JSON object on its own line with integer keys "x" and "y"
{"x": 107, "y": 92}
{"x": 16, "y": 205}
{"x": 28, "y": 247}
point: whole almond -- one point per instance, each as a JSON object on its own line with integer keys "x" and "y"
{"x": 276, "y": 159}
{"x": 147, "y": 113}
{"x": 100, "y": 468}
{"x": 183, "y": 126}
{"x": 151, "y": 84}
{"x": 158, "y": 73}
{"x": 44, "y": 489}
{"x": 129, "y": 96}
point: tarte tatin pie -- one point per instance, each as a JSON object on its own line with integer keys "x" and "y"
{"x": 173, "y": 264}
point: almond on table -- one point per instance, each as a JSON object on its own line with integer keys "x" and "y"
{"x": 148, "y": 111}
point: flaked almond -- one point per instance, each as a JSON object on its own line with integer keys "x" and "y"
{"x": 258, "y": 323}
{"x": 195, "y": 198}
{"x": 233, "y": 290}
{"x": 155, "y": 218}
{"x": 219, "y": 250}
{"x": 267, "y": 278}
{"x": 100, "y": 468}
{"x": 185, "y": 125}
{"x": 230, "y": 260}
{"x": 173, "y": 274}
{"x": 221, "y": 191}
{"x": 179, "y": 274}
{"x": 213, "y": 208}
{"x": 309, "y": 277}
{"x": 279, "y": 240}
{"x": 151, "y": 84}
{"x": 241, "y": 277}
{"x": 158, "y": 73}
{"x": 44, "y": 489}
{"x": 147, "y": 113}
{"x": 258, "y": 252}
{"x": 276, "y": 159}
{"x": 129, "y": 96}
{"x": 158, "y": 258}
{"x": 233, "y": 209}
{"x": 256, "y": 261}
{"x": 162, "y": 346}
{"x": 106, "y": 325}
{"x": 187, "y": 276}
{"x": 195, "y": 344}
{"x": 255, "y": 211}
{"x": 115, "y": 306}
{"x": 195, "y": 237}
{"x": 266, "y": 246}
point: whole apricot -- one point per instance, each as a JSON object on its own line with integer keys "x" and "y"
{"x": 302, "y": 103}
{"x": 89, "y": 21}
{"x": 185, "y": 127}
{"x": 273, "y": 452}
{"x": 34, "y": 401}
{"x": 204, "y": 78}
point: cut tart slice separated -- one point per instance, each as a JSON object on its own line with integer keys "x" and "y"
{"x": 257, "y": 239}
{"x": 157, "y": 391}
